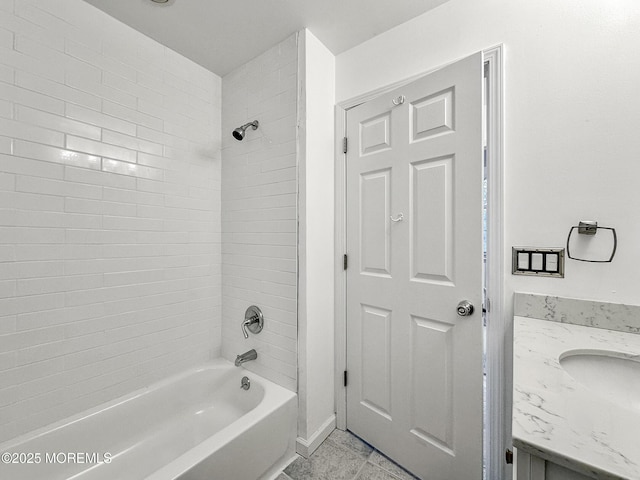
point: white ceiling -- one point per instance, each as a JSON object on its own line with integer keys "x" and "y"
{"x": 224, "y": 34}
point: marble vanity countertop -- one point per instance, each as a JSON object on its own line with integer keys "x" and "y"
{"x": 559, "y": 419}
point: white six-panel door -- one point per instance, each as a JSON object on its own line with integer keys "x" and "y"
{"x": 414, "y": 240}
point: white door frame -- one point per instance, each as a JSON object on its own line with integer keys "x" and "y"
{"x": 497, "y": 397}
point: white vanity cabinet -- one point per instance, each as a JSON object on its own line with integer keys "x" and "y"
{"x": 531, "y": 467}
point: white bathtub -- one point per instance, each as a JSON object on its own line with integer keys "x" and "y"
{"x": 199, "y": 425}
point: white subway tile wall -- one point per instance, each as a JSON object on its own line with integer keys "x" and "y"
{"x": 259, "y": 211}
{"x": 110, "y": 228}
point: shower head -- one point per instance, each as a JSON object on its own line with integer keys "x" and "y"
{"x": 238, "y": 133}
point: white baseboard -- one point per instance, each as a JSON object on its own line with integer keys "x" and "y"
{"x": 307, "y": 447}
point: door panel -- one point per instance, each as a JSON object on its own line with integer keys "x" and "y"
{"x": 432, "y": 115}
{"x": 375, "y": 205}
{"x": 375, "y": 134}
{"x": 431, "y": 242}
{"x": 376, "y": 384}
{"x": 431, "y": 407}
{"x": 415, "y": 366}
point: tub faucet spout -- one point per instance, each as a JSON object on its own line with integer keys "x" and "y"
{"x": 246, "y": 356}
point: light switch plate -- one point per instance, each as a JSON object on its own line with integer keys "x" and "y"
{"x": 541, "y": 262}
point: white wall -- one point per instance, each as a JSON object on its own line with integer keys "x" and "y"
{"x": 259, "y": 220}
{"x": 316, "y": 307}
{"x": 572, "y": 111}
{"x": 109, "y": 211}
{"x": 571, "y": 115}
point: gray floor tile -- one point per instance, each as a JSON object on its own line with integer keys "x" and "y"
{"x": 328, "y": 462}
{"x": 380, "y": 460}
{"x": 372, "y": 472}
{"x": 350, "y": 441}
{"x": 283, "y": 476}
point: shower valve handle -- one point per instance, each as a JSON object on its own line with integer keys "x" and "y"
{"x": 253, "y": 321}
{"x": 247, "y": 323}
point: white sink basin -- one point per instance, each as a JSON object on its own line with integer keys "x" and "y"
{"x": 613, "y": 375}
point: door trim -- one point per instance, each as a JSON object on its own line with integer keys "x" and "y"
{"x": 497, "y": 325}
{"x": 497, "y": 433}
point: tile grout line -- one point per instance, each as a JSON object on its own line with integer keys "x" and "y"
{"x": 364, "y": 464}
{"x": 387, "y": 471}
{"x": 384, "y": 469}
{"x": 350, "y": 450}
{"x": 368, "y": 458}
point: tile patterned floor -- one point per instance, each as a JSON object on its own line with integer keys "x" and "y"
{"x": 343, "y": 456}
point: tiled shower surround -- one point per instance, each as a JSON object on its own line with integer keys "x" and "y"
{"x": 259, "y": 216}
{"x": 110, "y": 228}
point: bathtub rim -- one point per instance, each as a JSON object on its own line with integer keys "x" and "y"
{"x": 216, "y": 363}
{"x": 276, "y": 397}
